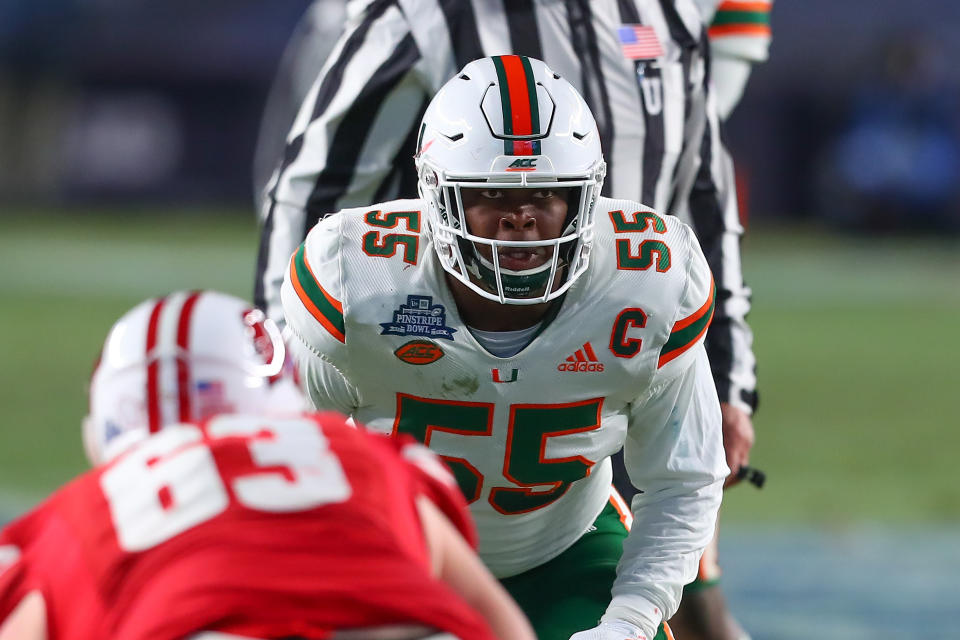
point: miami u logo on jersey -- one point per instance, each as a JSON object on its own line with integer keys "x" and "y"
{"x": 501, "y": 376}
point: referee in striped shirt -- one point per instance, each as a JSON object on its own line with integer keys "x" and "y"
{"x": 643, "y": 67}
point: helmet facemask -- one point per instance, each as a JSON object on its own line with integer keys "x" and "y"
{"x": 470, "y": 257}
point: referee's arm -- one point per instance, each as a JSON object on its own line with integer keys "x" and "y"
{"x": 713, "y": 208}
{"x": 739, "y": 40}
{"x": 344, "y": 149}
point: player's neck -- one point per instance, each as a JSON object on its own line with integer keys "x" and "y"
{"x": 489, "y": 315}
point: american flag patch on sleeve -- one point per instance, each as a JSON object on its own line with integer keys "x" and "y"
{"x": 639, "y": 42}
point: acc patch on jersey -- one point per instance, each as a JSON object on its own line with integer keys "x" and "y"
{"x": 419, "y": 317}
{"x": 419, "y": 352}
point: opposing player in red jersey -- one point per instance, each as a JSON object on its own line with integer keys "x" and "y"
{"x": 257, "y": 524}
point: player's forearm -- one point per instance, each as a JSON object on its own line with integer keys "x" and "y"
{"x": 488, "y": 597}
{"x": 715, "y": 212}
{"x": 729, "y": 345}
{"x": 662, "y": 552}
{"x": 28, "y": 621}
{"x": 729, "y": 339}
{"x": 674, "y": 455}
{"x": 730, "y": 77}
{"x": 458, "y": 565}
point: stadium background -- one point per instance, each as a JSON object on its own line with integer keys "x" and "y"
{"x": 126, "y": 137}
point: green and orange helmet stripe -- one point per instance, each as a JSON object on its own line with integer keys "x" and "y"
{"x": 521, "y": 108}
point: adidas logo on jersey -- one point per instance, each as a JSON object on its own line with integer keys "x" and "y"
{"x": 584, "y": 359}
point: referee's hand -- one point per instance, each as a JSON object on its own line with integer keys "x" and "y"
{"x": 738, "y": 439}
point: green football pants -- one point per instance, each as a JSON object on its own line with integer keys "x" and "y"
{"x": 571, "y": 592}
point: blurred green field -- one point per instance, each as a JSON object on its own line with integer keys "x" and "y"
{"x": 857, "y": 342}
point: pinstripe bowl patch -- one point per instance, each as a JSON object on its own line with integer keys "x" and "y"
{"x": 419, "y": 317}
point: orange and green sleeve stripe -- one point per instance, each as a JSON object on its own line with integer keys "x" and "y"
{"x": 325, "y": 309}
{"x": 740, "y": 18}
{"x": 688, "y": 331}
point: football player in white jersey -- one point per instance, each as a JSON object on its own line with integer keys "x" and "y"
{"x": 524, "y": 328}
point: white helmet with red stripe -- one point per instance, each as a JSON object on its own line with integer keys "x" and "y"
{"x": 185, "y": 357}
{"x": 509, "y": 122}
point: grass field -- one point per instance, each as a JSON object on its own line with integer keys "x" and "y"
{"x": 857, "y": 342}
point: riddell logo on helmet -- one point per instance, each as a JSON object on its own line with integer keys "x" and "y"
{"x": 583, "y": 360}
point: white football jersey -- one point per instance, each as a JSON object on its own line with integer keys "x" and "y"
{"x": 529, "y": 437}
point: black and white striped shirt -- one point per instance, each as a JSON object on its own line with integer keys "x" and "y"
{"x": 353, "y": 139}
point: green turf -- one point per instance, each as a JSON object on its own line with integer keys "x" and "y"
{"x": 857, "y": 343}
{"x": 63, "y": 281}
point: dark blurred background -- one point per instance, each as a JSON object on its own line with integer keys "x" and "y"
{"x": 128, "y": 100}
{"x": 853, "y": 121}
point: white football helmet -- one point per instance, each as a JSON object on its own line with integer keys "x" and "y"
{"x": 184, "y": 357}
{"x": 509, "y": 122}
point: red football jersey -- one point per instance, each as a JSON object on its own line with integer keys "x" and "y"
{"x": 261, "y": 527}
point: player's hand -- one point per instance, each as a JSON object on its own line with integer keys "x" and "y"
{"x": 615, "y": 630}
{"x": 737, "y": 440}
